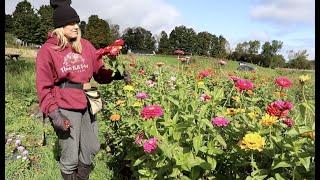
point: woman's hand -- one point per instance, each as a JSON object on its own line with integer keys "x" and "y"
{"x": 59, "y": 121}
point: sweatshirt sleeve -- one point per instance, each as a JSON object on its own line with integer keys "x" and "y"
{"x": 100, "y": 73}
{"x": 45, "y": 82}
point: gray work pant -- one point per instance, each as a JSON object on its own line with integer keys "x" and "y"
{"x": 81, "y": 143}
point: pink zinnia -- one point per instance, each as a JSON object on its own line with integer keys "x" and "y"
{"x": 150, "y": 146}
{"x": 234, "y": 78}
{"x": 219, "y": 121}
{"x": 205, "y": 73}
{"x": 289, "y": 122}
{"x": 151, "y": 111}
{"x": 283, "y": 82}
{"x": 142, "y": 95}
{"x": 139, "y": 138}
{"x": 279, "y": 108}
{"x": 205, "y": 97}
{"x": 243, "y": 84}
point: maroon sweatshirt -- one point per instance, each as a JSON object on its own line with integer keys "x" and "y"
{"x": 54, "y": 66}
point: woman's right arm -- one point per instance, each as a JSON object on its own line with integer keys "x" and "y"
{"x": 45, "y": 82}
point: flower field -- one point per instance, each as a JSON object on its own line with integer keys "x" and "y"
{"x": 202, "y": 120}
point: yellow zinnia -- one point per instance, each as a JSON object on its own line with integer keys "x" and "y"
{"x": 115, "y": 117}
{"x": 252, "y": 141}
{"x": 236, "y": 98}
{"x": 252, "y": 115}
{"x": 200, "y": 83}
{"x": 137, "y": 104}
{"x": 304, "y": 78}
{"x": 268, "y": 120}
{"x": 128, "y": 88}
{"x": 231, "y": 111}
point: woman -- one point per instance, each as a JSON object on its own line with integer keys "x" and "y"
{"x": 63, "y": 65}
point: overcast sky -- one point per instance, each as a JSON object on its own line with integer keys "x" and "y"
{"x": 290, "y": 21}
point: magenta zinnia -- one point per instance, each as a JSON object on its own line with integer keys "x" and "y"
{"x": 279, "y": 108}
{"x": 289, "y": 122}
{"x": 151, "y": 111}
{"x": 142, "y": 95}
{"x": 283, "y": 82}
{"x": 150, "y": 145}
{"x": 243, "y": 84}
{"x": 204, "y": 74}
{"x": 139, "y": 138}
{"x": 219, "y": 121}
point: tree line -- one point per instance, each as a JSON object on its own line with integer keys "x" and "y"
{"x": 31, "y": 25}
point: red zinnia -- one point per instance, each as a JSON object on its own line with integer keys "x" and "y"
{"x": 283, "y": 82}
{"x": 205, "y": 73}
{"x": 151, "y": 111}
{"x": 279, "y": 108}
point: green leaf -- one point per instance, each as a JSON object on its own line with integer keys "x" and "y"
{"x": 139, "y": 160}
{"x": 175, "y": 102}
{"x": 305, "y": 162}
{"x": 279, "y": 177}
{"x": 176, "y": 135}
{"x": 144, "y": 172}
{"x": 212, "y": 162}
{"x": 218, "y": 94}
{"x": 197, "y": 141}
{"x": 282, "y": 164}
{"x": 220, "y": 139}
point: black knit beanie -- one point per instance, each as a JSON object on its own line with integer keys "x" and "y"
{"x": 63, "y": 13}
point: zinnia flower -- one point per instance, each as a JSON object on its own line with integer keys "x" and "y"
{"x": 115, "y": 117}
{"x": 150, "y": 146}
{"x": 234, "y": 78}
{"x": 142, "y": 95}
{"x": 222, "y": 62}
{"x": 205, "y": 97}
{"x": 289, "y": 122}
{"x": 160, "y": 64}
{"x": 150, "y": 83}
{"x": 309, "y": 134}
{"x": 219, "y": 121}
{"x": 128, "y": 88}
{"x": 139, "y": 138}
{"x": 204, "y": 74}
{"x": 151, "y": 111}
{"x": 304, "y": 78}
{"x": 268, "y": 120}
{"x": 252, "y": 141}
{"x": 279, "y": 108}
{"x": 283, "y": 82}
{"x": 243, "y": 84}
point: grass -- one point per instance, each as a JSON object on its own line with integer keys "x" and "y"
{"x": 21, "y": 99}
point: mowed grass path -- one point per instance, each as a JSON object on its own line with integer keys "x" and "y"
{"x": 21, "y": 103}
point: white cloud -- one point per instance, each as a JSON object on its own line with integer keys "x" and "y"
{"x": 154, "y": 15}
{"x": 284, "y": 12}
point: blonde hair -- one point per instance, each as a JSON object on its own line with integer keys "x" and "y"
{"x": 63, "y": 41}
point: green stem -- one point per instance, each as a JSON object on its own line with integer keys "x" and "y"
{"x": 228, "y": 98}
{"x": 252, "y": 161}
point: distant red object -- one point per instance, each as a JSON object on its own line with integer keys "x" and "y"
{"x": 180, "y": 52}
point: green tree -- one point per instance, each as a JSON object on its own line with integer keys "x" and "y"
{"x": 9, "y": 23}
{"x": 139, "y": 40}
{"x": 298, "y": 60}
{"x": 83, "y": 26}
{"x": 219, "y": 47}
{"x": 204, "y": 43}
{"x": 269, "y": 50}
{"x": 46, "y": 23}
{"x": 97, "y": 31}
{"x": 183, "y": 38}
{"x": 164, "y": 45}
{"x": 26, "y": 23}
{"x": 254, "y": 47}
{"x": 114, "y": 32}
